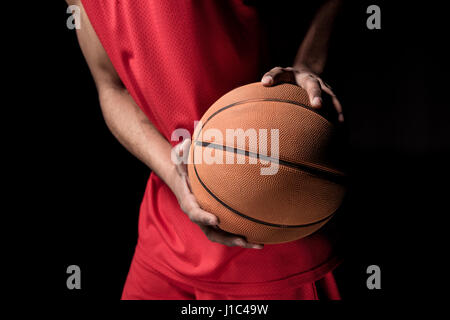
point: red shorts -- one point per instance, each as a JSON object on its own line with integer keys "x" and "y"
{"x": 145, "y": 283}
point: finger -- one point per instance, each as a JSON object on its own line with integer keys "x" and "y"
{"x": 313, "y": 88}
{"x": 248, "y": 245}
{"x": 277, "y": 75}
{"x": 323, "y": 83}
{"x": 181, "y": 153}
{"x": 228, "y": 239}
{"x": 338, "y": 107}
{"x": 188, "y": 182}
{"x": 336, "y": 103}
{"x": 202, "y": 217}
{"x": 219, "y": 236}
{"x": 182, "y": 149}
{"x": 238, "y": 240}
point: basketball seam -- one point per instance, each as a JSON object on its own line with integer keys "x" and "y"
{"x": 288, "y": 163}
{"x": 336, "y": 177}
{"x": 260, "y": 100}
{"x": 251, "y": 218}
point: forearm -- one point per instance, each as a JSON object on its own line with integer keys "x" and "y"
{"x": 313, "y": 51}
{"x": 136, "y": 133}
{"x": 123, "y": 117}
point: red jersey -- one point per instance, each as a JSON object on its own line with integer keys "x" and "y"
{"x": 175, "y": 59}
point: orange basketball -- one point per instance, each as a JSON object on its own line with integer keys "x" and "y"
{"x": 261, "y": 160}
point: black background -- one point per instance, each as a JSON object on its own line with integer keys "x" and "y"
{"x": 86, "y": 189}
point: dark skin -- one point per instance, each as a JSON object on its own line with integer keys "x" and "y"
{"x": 138, "y": 135}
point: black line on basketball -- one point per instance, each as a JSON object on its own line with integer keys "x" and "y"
{"x": 328, "y": 175}
{"x": 245, "y": 216}
{"x": 260, "y": 100}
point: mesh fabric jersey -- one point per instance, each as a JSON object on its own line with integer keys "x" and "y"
{"x": 175, "y": 59}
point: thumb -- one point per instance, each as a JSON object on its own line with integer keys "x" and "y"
{"x": 278, "y": 75}
{"x": 180, "y": 152}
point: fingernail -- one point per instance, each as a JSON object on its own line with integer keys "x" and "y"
{"x": 341, "y": 117}
{"x": 317, "y": 102}
{"x": 239, "y": 242}
{"x": 213, "y": 221}
{"x": 267, "y": 80}
{"x": 258, "y": 246}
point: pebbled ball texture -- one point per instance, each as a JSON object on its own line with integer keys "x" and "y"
{"x": 307, "y": 187}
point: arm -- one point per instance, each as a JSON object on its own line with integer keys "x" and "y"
{"x": 123, "y": 117}
{"x": 313, "y": 51}
{"x": 311, "y": 58}
{"x": 137, "y": 134}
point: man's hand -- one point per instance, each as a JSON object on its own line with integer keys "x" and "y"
{"x": 306, "y": 79}
{"x": 205, "y": 220}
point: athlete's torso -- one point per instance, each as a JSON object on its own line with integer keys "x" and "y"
{"x": 176, "y": 58}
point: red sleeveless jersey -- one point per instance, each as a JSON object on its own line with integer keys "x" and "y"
{"x": 176, "y": 58}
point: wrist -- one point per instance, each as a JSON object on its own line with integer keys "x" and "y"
{"x": 172, "y": 177}
{"x": 175, "y": 181}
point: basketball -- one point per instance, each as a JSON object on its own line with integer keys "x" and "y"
{"x": 264, "y": 162}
